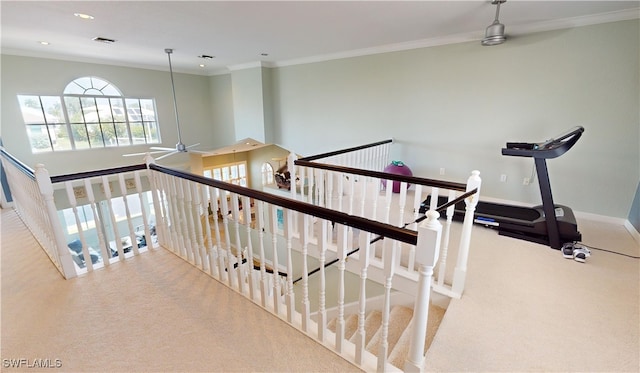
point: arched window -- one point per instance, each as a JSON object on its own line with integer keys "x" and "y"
{"x": 91, "y": 113}
{"x": 267, "y": 173}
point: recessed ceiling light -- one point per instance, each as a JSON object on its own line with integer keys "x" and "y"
{"x": 103, "y": 40}
{"x": 43, "y": 42}
{"x": 202, "y": 65}
{"x": 83, "y": 16}
{"x": 206, "y": 57}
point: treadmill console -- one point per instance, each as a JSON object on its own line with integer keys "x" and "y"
{"x": 551, "y": 148}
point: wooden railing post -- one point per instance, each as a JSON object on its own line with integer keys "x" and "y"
{"x": 427, "y": 251}
{"x": 46, "y": 190}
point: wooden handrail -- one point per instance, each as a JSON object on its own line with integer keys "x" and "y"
{"x": 384, "y": 230}
{"x": 344, "y": 151}
{"x": 384, "y": 175}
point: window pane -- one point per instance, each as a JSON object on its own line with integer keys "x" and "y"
{"x": 39, "y": 138}
{"x": 89, "y": 110}
{"x": 151, "y": 130}
{"x": 109, "y": 134}
{"x": 80, "y": 136}
{"x": 52, "y": 109}
{"x": 225, "y": 173}
{"x": 137, "y": 132}
{"x": 122, "y": 134}
{"x": 60, "y": 137}
{"x": 216, "y": 174}
{"x": 207, "y": 173}
{"x": 242, "y": 170}
{"x": 117, "y": 107}
{"x": 31, "y": 109}
{"x": 73, "y": 109}
{"x": 95, "y": 135}
{"x": 234, "y": 172}
{"x": 104, "y": 110}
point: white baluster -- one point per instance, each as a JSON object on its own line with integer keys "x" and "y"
{"x": 289, "y": 295}
{"x": 224, "y": 210}
{"x": 199, "y": 212}
{"x": 442, "y": 266}
{"x": 132, "y": 236}
{"x": 211, "y": 253}
{"x": 143, "y": 209}
{"x": 263, "y": 271}
{"x": 106, "y": 187}
{"x": 322, "y": 312}
{"x": 246, "y": 207}
{"x": 85, "y": 248}
{"x": 391, "y": 247}
{"x": 460, "y": 272}
{"x": 186, "y": 217}
{"x": 104, "y": 245}
{"x": 365, "y": 245}
{"x": 240, "y": 270}
{"x": 428, "y": 247}
{"x": 305, "y": 273}
{"x": 341, "y": 256}
{"x": 274, "y": 240}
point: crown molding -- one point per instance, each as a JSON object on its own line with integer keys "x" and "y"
{"x": 623, "y": 15}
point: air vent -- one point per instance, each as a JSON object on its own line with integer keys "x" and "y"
{"x": 206, "y": 57}
{"x": 103, "y": 40}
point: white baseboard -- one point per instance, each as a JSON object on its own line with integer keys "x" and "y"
{"x": 580, "y": 215}
{"x": 633, "y": 231}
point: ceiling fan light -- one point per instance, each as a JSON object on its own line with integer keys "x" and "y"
{"x": 494, "y": 34}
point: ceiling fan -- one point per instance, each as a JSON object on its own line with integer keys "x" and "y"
{"x": 180, "y": 146}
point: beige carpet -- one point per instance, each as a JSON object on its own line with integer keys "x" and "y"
{"x": 526, "y": 308}
{"x": 152, "y": 313}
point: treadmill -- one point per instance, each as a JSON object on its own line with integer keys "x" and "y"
{"x": 548, "y": 224}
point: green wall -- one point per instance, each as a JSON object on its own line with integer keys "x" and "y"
{"x": 451, "y": 107}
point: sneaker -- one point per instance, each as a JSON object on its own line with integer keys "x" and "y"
{"x": 581, "y": 253}
{"x": 567, "y": 250}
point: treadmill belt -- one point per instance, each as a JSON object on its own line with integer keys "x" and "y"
{"x": 512, "y": 212}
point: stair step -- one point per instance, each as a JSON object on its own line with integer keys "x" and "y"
{"x": 399, "y": 318}
{"x": 371, "y": 325}
{"x": 399, "y": 354}
{"x": 350, "y": 325}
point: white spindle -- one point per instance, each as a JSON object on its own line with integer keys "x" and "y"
{"x": 342, "y": 233}
{"x": 211, "y": 255}
{"x": 428, "y": 247}
{"x": 460, "y": 272}
{"x": 132, "y": 236}
{"x": 365, "y": 244}
{"x": 289, "y": 296}
{"x": 106, "y": 187}
{"x": 246, "y": 208}
{"x": 224, "y": 210}
{"x": 274, "y": 241}
{"x": 143, "y": 209}
{"x": 199, "y": 212}
{"x": 305, "y": 273}
{"x": 322, "y": 312}
{"x": 85, "y": 248}
{"x": 444, "y": 251}
{"x": 105, "y": 250}
{"x": 184, "y": 204}
{"x": 389, "y": 270}
{"x": 263, "y": 270}
{"x": 218, "y": 253}
{"x": 235, "y": 213}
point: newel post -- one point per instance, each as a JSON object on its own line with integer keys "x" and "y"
{"x": 427, "y": 251}
{"x": 46, "y": 190}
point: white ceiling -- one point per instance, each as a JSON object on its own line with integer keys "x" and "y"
{"x": 290, "y": 32}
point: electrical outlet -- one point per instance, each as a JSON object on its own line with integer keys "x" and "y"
{"x": 526, "y": 181}
{"x": 503, "y": 178}
{"x": 442, "y": 171}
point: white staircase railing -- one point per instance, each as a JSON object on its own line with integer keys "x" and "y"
{"x": 344, "y": 186}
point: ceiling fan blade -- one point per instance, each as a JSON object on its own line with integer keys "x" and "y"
{"x": 166, "y": 155}
{"x": 161, "y": 148}
{"x": 191, "y": 146}
{"x": 144, "y": 153}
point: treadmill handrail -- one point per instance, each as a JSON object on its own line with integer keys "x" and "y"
{"x": 550, "y": 149}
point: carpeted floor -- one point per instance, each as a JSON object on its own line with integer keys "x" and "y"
{"x": 525, "y": 308}
{"x": 152, "y": 313}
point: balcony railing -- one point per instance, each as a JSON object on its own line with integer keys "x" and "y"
{"x": 254, "y": 242}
